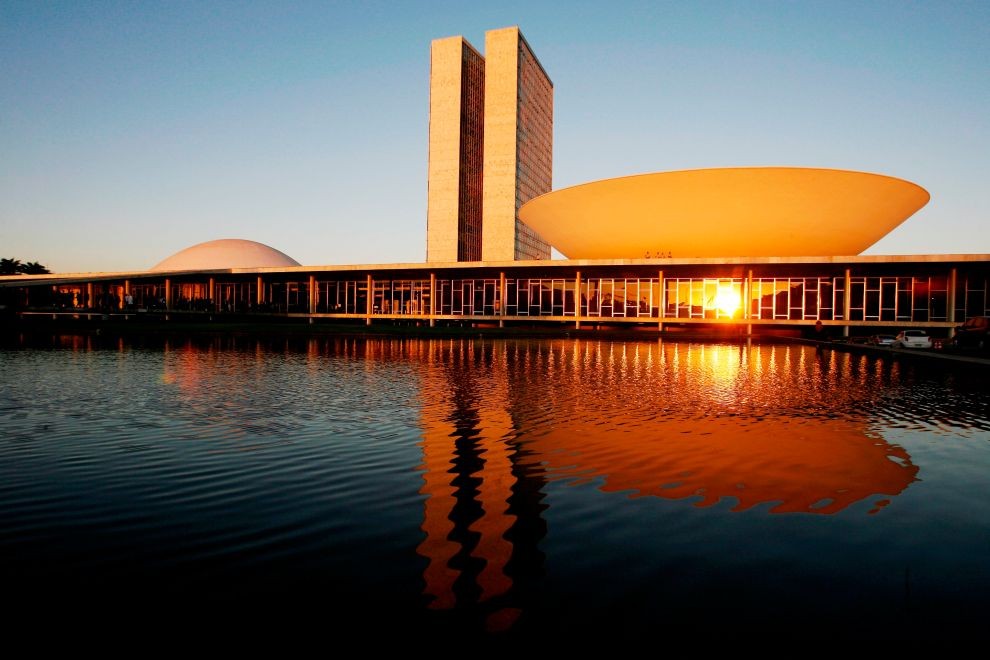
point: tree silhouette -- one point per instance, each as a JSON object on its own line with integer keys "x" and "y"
{"x": 34, "y": 268}
{"x": 15, "y": 267}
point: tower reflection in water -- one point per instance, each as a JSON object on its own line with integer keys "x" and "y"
{"x": 777, "y": 426}
{"x": 483, "y": 492}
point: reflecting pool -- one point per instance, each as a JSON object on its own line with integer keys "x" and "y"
{"x": 498, "y": 487}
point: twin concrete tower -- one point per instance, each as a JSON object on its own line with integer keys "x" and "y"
{"x": 491, "y": 147}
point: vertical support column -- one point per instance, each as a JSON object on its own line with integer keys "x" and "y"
{"x": 369, "y": 301}
{"x": 89, "y": 294}
{"x": 577, "y": 300}
{"x": 211, "y": 293}
{"x": 950, "y": 307}
{"x": 260, "y": 292}
{"x": 747, "y": 301}
{"x": 168, "y": 294}
{"x": 847, "y": 302}
{"x": 433, "y": 299}
{"x": 313, "y": 297}
{"x": 660, "y": 305}
{"x": 501, "y": 299}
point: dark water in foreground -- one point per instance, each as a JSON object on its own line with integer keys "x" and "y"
{"x": 507, "y": 487}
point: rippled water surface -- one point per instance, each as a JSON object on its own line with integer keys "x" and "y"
{"x": 501, "y": 487}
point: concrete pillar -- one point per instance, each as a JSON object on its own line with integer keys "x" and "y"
{"x": 847, "y": 302}
{"x": 211, "y": 293}
{"x": 369, "y": 300}
{"x": 660, "y": 303}
{"x": 89, "y": 295}
{"x": 577, "y": 300}
{"x": 501, "y": 299}
{"x": 433, "y": 299}
{"x": 747, "y": 294}
{"x": 168, "y": 293}
{"x": 950, "y": 309}
{"x": 747, "y": 300}
{"x": 260, "y": 292}
{"x": 313, "y": 297}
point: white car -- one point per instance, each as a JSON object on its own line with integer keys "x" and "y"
{"x": 912, "y": 339}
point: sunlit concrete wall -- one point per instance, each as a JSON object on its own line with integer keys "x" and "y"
{"x": 517, "y": 147}
{"x": 457, "y": 80}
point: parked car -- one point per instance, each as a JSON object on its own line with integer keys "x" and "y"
{"x": 882, "y": 340}
{"x": 912, "y": 339}
{"x": 974, "y": 333}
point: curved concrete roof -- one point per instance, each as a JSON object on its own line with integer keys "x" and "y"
{"x": 724, "y": 212}
{"x": 226, "y": 253}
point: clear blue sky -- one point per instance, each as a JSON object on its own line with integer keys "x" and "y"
{"x": 129, "y": 130}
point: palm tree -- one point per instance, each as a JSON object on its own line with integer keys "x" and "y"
{"x": 10, "y": 266}
{"x": 34, "y": 268}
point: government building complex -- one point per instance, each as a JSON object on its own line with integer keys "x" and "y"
{"x": 757, "y": 248}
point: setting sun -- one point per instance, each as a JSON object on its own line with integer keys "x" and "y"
{"x": 728, "y": 301}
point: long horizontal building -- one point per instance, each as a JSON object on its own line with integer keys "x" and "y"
{"x": 931, "y": 291}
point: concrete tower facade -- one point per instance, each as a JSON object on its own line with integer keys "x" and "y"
{"x": 457, "y": 110}
{"x": 518, "y": 145}
{"x": 491, "y": 148}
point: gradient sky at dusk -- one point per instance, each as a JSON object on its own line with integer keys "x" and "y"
{"x": 129, "y": 130}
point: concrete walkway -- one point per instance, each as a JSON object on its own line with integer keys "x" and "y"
{"x": 934, "y": 356}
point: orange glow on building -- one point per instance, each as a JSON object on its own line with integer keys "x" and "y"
{"x": 724, "y": 212}
{"x": 491, "y": 148}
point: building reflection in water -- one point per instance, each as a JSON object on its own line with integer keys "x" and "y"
{"x": 777, "y": 426}
{"x": 483, "y": 493}
{"x": 780, "y": 426}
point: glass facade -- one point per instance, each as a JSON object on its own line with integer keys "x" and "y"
{"x": 971, "y": 298}
{"x": 404, "y": 297}
{"x": 540, "y": 297}
{"x": 616, "y": 298}
{"x": 703, "y": 298}
{"x": 595, "y": 295}
{"x": 342, "y": 297}
{"x": 899, "y": 298}
{"x": 797, "y": 298}
{"x": 468, "y": 297}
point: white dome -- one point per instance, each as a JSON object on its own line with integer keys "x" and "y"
{"x": 226, "y": 253}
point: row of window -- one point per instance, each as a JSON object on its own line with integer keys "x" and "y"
{"x": 893, "y": 299}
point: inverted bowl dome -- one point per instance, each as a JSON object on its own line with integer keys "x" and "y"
{"x": 725, "y": 212}
{"x": 226, "y": 253}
